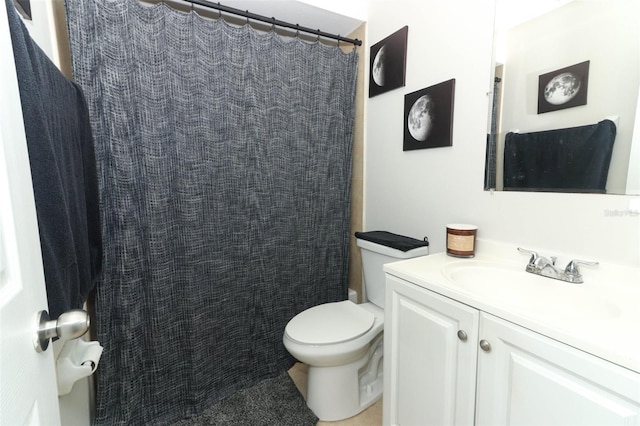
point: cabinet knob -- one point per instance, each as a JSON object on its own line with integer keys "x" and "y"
{"x": 462, "y": 335}
{"x": 485, "y": 345}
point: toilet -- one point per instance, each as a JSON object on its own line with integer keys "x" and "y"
{"x": 341, "y": 342}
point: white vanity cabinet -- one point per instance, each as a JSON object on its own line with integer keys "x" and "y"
{"x": 448, "y": 363}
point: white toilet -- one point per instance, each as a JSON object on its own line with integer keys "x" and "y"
{"x": 341, "y": 342}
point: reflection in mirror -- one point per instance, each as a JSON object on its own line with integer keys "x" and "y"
{"x": 563, "y": 66}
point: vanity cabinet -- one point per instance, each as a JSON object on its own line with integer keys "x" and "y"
{"x": 447, "y": 363}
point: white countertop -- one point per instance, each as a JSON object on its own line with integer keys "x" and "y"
{"x": 602, "y": 315}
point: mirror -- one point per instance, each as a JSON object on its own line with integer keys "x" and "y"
{"x": 539, "y": 41}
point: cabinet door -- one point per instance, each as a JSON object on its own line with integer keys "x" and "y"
{"x": 429, "y": 371}
{"x": 527, "y": 378}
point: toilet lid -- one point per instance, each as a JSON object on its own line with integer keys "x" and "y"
{"x": 330, "y": 323}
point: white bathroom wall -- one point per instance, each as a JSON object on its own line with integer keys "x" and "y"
{"x": 418, "y": 192}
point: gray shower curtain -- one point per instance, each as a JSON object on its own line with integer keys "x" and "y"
{"x": 224, "y": 161}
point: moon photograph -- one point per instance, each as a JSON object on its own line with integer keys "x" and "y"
{"x": 563, "y": 88}
{"x": 388, "y": 63}
{"x": 377, "y": 70}
{"x": 428, "y": 117}
{"x": 420, "y": 118}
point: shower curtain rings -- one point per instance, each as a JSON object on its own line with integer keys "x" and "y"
{"x": 318, "y": 39}
{"x": 297, "y": 31}
{"x": 338, "y": 43}
{"x": 273, "y": 25}
{"x": 219, "y": 11}
{"x": 247, "y": 16}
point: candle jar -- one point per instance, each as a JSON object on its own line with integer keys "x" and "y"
{"x": 461, "y": 240}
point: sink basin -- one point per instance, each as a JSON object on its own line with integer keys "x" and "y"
{"x": 511, "y": 286}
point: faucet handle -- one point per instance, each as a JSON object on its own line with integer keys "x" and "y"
{"x": 536, "y": 262}
{"x": 534, "y": 255}
{"x": 571, "y": 272}
{"x": 572, "y": 267}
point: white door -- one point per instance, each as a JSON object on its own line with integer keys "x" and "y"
{"x": 28, "y": 392}
{"x": 429, "y": 359}
{"x": 525, "y": 378}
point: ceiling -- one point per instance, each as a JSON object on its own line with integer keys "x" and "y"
{"x": 510, "y": 13}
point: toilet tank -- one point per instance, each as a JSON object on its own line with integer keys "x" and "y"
{"x": 374, "y": 256}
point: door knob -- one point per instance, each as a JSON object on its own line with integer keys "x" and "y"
{"x": 462, "y": 335}
{"x": 69, "y": 325}
{"x": 485, "y": 345}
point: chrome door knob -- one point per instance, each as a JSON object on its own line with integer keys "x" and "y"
{"x": 69, "y": 325}
{"x": 462, "y": 335}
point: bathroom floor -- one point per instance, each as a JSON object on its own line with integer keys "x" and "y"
{"x": 372, "y": 416}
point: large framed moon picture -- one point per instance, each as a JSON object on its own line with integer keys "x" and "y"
{"x": 428, "y": 117}
{"x": 388, "y": 63}
{"x": 563, "y": 88}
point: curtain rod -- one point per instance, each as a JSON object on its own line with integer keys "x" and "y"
{"x": 273, "y": 21}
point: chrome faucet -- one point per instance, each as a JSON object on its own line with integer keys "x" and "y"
{"x": 539, "y": 265}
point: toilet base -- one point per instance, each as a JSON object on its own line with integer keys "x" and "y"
{"x": 336, "y": 393}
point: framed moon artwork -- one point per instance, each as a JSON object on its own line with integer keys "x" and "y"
{"x": 388, "y": 63}
{"x": 428, "y": 117}
{"x": 563, "y": 88}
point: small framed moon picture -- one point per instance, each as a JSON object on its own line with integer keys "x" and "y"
{"x": 388, "y": 63}
{"x": 563, "y": 88}
{"x": 428, "y": 117}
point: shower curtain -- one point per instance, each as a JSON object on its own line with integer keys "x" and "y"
{"x": 224, "y": 161}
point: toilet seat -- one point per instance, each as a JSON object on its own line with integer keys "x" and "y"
{"x": 330, "y": 323}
